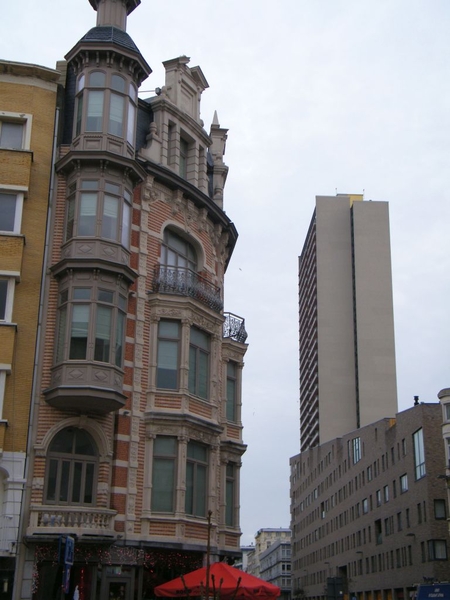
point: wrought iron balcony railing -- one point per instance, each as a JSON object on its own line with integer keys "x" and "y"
{"x": 184, "y": 282}
{"x": 234, "y": 328}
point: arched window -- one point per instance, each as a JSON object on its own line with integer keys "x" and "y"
{"x": 71, "y": 468}
{"x": 178, "y": 252}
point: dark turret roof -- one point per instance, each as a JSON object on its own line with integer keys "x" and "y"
{"x": 110, "y": 34}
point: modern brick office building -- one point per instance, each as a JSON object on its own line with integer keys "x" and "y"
{"x": 369, "y": 510}
{"x": 346, "y": 322}
{"x": 136, "y": 438}
{"x": 27, "y": 115}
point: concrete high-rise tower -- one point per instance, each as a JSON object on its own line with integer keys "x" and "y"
{"x": 346, "y": 322}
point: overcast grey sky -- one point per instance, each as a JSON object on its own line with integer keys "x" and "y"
{"x": 319, "y": 96}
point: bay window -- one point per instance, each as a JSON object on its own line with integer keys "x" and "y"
{"x": 99, "y": 208}
{"x": 91, "y": 324}
{"x": 106, "y": 103}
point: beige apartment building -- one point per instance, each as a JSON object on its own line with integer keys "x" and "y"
{"x": 136, "y": 437}
{"x": 346, "y": 322}
{"x": 369, "y": 510}
{"x": 27, "y": 117}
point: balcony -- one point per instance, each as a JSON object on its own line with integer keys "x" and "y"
{"x": 234, "y": 328}
{"x": 57, "y": 520}
{"x": 184, "y": 282}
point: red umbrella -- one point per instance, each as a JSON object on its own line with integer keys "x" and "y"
{"x": 225, "y": 582}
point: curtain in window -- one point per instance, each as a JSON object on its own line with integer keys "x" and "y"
{"x": 88, "y": 213}
{"x": 116, "y": 107}
{"x": 110, "y": 217}
{"x": 103, "y": 333}
{"x": 94, "y": 119}
{"x": 79, "y": 331}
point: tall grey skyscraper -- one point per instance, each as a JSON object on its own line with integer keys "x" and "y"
{"x": 346, "y": 322}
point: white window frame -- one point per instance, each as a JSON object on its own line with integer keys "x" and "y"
{"x": 24, "y": 118}
{"x": 9, "y": 296}
{"x": 19, "y": 192}
{"x": 4, "y": 370}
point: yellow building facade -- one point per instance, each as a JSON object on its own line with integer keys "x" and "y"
{"x": 27, "y": 118}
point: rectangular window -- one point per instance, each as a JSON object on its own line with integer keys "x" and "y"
{"x": 94, "y": 120}
{"x": 447, "y": 411}
{"x": 11, "y": 204}
{"x": 386, "y": 493}
{"x": 88, "y": 214}
{"x": 116, "y": 106}
{"x": 365, "y": 506}
{"x": 231, "y": 390}
{"x": 2, "y": 389}
{"x": 196, "y": 479}
{"x": 110, "y": 219}
{"x": 126, "y": 220}
{"x": 369, "y": 473}
{"x": 399, "y": 521}
{"x": 7, "y": 286}
{"x": 79, "y": 332}
{"x": 356, "y": 446}
{"x": 378, "y": 496}
{"x": 378, "y": 532}
{"x": 230, "y": 494}
{"x": 131, "y": 123}
{"x": 12, "y": 134}
{"x": 102, "y": 345}
{"x": 440, "y": 509}
{"x": 403, "y": 483}
{"x": 168, "y": 355}
{"x": 437, "y": 550}
{"x": 163, "y": 475}
{"x": 419, "y": 454}
{"x": 120, "y": 330}
{"x": 199, "y": 349}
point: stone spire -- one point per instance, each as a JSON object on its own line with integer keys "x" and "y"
{"x": 113, "y": 13}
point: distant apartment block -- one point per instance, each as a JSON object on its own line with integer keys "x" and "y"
{"x": 275, "y": 566}
{"x": 346, "y": 323}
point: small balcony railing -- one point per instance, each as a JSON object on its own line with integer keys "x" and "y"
{"x": 80, "y": 520}
{"x": 234, "y": 328}
{"x": 184, "y": 282}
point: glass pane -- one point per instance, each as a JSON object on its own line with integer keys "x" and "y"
{"x": 167, "y": 373}
{"x": 200, "y": 491}
{"x": 82, "y": 293}
{"x": 89, "y": 484}
{"x": 89, "y": 184}
{"x": 105, "y": 296}
{"x": 229, "y": 509}
{"x": 120, "y": 327}
{"x": 103, "y": 333}
{"x": 165, "y": 446}
{"x": 189, "y": 499}
{"x": 61, "y": 335}
{"x": 88, "y": 214}
{"x": 79, "y": 115}
{"x": 197, "y": 451}
{"x": 51, "y": 481}
{"x": 63, "y": 442}
{"x": 70, "y": 217}
{"x": 131, "y": 123}
{"x": 110, "y": 220}
{"x": 126, "y": 220}
{"x": 84, "y": 443}
{"x": 163, "y": 484}
{"x": 118, "y": 83}
{"x": 81, "y": 83}
{"x": 79, "y": 331}
{"x": 192, "y": 370}
{"x": 64, "y": 485}
{"x": 116, "y": 107}
{"x": 203, "y": 361}
{"x": 169, "y": 329}
{"x": 76, "y": 484}
{"x": 231, "y": 399}
{"x": 11, "y": 135}
{"x": 7, "y": 211}
{"x": 133, "y": 92}
{"x": 3, "y": 296}
{"x": 97, "y": 79}
{"x": 199, "y": 338}
{"x": 95, "y": 111}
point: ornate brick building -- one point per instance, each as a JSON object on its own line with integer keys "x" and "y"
{"x": 136, "y": 438}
